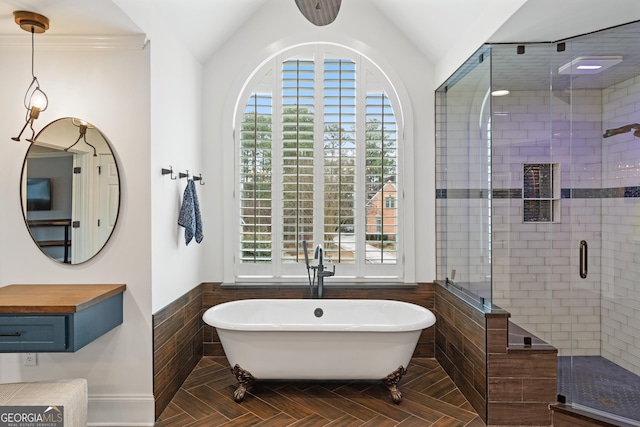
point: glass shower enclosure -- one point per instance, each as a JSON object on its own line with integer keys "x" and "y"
{"x": 538, "y": 202}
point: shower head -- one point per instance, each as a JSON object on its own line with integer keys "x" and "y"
{"x": 623, "y": 129}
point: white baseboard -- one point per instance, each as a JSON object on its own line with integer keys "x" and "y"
{"x": 121, "y": 411}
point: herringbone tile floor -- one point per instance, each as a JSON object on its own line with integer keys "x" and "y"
{"x": 429, "y": 398}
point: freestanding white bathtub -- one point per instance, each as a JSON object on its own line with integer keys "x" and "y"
{"x": 318, "y": 339}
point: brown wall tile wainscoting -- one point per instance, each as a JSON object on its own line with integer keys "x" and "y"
{"x": 506, "y": 384}
{"x": 177, "y": 345}
{"x": 461, "y": 346}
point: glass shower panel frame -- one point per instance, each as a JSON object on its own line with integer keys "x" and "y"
{"x": 463, "y": 178}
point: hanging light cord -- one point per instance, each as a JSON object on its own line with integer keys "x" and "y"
{"x": 33, "y": 56}
{"x": 31, "y": 90}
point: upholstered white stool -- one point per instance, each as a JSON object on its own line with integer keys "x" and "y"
{"x": 71, "y": 394}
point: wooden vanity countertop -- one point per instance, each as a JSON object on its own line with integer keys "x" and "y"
{"x": 48, "y": 299}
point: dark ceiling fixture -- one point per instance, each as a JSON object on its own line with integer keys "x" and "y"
{"x": 319, "y": 12}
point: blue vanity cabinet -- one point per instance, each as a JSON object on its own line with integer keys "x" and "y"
{"x": 37, "y": 334}
{"x": 57, "y": 318}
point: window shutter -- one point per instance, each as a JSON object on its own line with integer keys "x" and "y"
{"x": 339, "y": 159}
{"x": 381, "y": 180}
{"x": 318, "y": 161}
{"x": 256, "y": 180}
{"x": 298, "y": 117}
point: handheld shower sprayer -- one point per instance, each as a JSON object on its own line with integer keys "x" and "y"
{"x": 306, "y": 260}
{"x": 306, "y": 253}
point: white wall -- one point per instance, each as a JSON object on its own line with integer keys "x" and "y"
{"x": 469, "y": 40}
{"x": 108, "y": 87}
{"x": 176, "y": 137}
{"x": 277, "y": 26}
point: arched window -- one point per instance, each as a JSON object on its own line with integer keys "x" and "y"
{"x": 318, "y": 159}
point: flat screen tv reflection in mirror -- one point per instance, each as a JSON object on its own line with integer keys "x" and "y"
{"x": 38, "y": 194}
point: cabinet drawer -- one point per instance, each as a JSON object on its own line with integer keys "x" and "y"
{"x": 33, "y": 333}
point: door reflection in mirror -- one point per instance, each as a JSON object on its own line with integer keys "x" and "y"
{"x": 70, "y": 190}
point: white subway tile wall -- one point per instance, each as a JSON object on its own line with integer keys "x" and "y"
{"x": 621, "y": 229}
{"x": 536, "y": 268}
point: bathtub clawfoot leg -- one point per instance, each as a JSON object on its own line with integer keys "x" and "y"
{"x": 245, "y": 379}
{"x": 392, "y": 380}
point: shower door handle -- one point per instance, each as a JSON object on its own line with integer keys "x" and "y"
{"x": 584, "y": 251}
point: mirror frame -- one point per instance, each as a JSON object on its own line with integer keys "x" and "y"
{"x": 69, "y": 227}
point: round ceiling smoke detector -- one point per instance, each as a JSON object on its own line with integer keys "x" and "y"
{"x": 31, "y": 21}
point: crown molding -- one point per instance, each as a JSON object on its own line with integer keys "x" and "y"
{"x": 61, "y": 42}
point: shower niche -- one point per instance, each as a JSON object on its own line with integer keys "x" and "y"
{"x": 538, "y": 176}
{"x": 540, "y": 192}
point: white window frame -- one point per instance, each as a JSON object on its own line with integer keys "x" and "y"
{"x": 268, "y": 75}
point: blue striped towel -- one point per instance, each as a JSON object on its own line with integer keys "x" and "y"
{"x": 190, "y": 217}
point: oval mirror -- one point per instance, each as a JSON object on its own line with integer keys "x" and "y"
{"x": 70, "y": 190}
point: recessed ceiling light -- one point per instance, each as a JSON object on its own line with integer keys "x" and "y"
{"x": 589, "y": 64}
{"x": 501, "y": 92}
{"x": 588, "y": 67}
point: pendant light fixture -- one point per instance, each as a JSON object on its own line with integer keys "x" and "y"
{"x": 35, "y": 100}
{"x": 319, "y": 12}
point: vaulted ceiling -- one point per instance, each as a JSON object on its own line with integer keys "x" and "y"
{"x": 432, "y": 25}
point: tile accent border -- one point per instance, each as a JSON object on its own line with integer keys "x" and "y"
{"x": 177, "y": 345}
{"x": 516, "y": 193}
